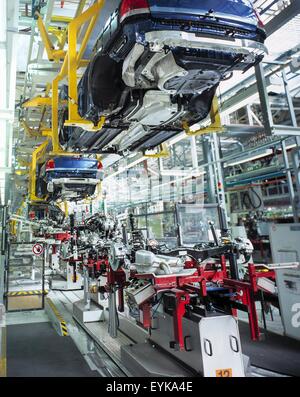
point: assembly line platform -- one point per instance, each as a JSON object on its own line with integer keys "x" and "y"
{"x": 88, "y": 351}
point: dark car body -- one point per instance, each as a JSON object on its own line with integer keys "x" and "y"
{"x": 157, "y": 63}
{"x": 69, "y": 177}
{"x": 40, "y": 211}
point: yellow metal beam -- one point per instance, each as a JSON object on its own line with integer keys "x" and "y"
{"x": 163, "y": 153}
{"x": 54, "y": 131}
{"x": 53, "y": 54}
{"x": 47, "y": 132}
{"x": 216, "y": 122}
{"x": 85, "y": 124}
{"x": 79, "y": 11}
{"x": 60, "y": 34}
{"x": 31, "y": 132}
{"x": 61, "y": 18}
{"x": 21, "y": 172}
{"x": 66, "y": 208}
{"x": 74, "y": 58}
{"x": 37, "y": 102}
{"x": 69, "y": 70}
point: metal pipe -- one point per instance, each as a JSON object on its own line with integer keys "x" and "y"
{"x": 86, "y": 289}
{"x": 113, "y": 314}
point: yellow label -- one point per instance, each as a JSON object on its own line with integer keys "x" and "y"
{"x": 224, "y": 373}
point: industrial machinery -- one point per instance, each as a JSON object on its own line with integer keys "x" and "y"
{"x": 85, "y": 245}
{"x": 177, "y": 298}
{"x": 185, "y": 110}
{"x": 285, "y": 244}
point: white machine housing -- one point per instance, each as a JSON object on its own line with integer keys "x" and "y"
{"x": 148, "y": 262}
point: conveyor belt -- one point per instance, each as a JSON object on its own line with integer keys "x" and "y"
{"x": 275, "y": 353}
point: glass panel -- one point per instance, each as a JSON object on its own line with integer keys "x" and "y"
{"x": 155, "y": 181}
{"x": 162, "y": 227}
{"x": 180, "y": 156}
{"x": 141, "y": 222}
{"x": 194, "y": 222}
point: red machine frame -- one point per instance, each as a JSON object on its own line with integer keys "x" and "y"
{"x": 182, "y": 286}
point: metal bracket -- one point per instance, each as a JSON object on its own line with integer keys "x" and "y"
{"x": 87, "y": 125}
{"x": 163, "y": 153}
{"x": 216, "y": 123}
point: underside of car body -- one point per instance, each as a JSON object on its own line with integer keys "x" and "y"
{"x": 154, "y": 70}
{"x": 71, "y": 178}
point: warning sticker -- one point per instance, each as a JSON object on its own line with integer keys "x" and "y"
{"x": 37, "y": 249}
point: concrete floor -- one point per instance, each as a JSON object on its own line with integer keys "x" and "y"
{"x": 27, "y": 317}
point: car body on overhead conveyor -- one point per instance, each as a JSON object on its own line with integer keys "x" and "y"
{"x": 49, "y": 211}
{"x": 69, "y": 177}
{"x": 156, "y": 65}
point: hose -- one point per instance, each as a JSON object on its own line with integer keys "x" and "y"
{"x": 247, "y": 195}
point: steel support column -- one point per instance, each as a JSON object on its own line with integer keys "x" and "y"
{"x": 264, "y": 99}
{"x": 296, "y": 166}
{"x": 283, "y": 17}
{"x": 289, "y": 180}
{"x": 207, "y": 156}
{"x": 219, "y": 176}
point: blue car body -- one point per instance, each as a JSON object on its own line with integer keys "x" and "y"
{"x": 73, "y": 177}
{"x": 73, "y": 167}
{"x": 238, "y": 13}
{"x": 230, "y": 18}
{"x": 203, "y": 42}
